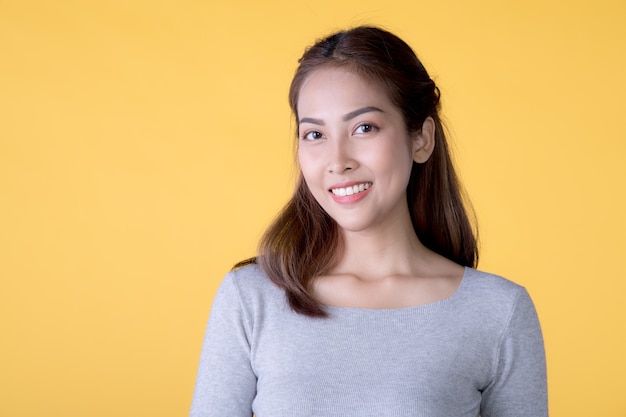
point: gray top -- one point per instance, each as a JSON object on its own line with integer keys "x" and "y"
{"x": 479, "y": 351}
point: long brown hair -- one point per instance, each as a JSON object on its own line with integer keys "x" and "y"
{"x": 304, "y": 241}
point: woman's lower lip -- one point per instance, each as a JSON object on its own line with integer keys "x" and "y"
{"x": 350, "y": 199}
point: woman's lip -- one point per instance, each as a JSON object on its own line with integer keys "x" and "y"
{"x": 353, "y": 198}
{"x": 349, "y": 184}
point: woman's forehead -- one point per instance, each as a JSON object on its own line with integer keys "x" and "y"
{"x": 329, "y": 86}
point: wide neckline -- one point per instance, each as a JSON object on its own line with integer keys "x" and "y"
{"x": 427, "y": 306}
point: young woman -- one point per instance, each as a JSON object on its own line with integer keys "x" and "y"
{"x": 363, "y": 300}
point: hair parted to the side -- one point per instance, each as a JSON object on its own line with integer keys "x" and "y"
{"x": 304, "y": 242}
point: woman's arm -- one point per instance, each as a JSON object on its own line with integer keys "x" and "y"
{"x": 518, "y": 386}
{"x": 226, "y": 383}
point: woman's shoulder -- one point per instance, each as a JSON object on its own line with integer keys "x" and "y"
{"x": 250, "y": 273}
{"x": 488, "y": 289}
{"x": 481, "y": 281}
{"x": 252, "y": 285}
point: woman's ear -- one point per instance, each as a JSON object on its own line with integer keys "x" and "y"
{"x": 424, "y": 141}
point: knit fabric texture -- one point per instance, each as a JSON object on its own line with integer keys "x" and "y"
{"x": 478, "y": 352}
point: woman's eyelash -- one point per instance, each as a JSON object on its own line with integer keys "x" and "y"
{"x": 362, "y": 128}
{"x": 365, "y": 128}
{"x": 312, "y": 135}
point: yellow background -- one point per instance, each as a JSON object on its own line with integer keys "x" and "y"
{"x": 145, "y": 145}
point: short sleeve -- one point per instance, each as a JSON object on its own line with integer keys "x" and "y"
{"x": 518, "y": 386}
{"x": 226, "y": 383}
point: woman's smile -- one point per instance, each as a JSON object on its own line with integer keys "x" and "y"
{"x": 350, "y": 194}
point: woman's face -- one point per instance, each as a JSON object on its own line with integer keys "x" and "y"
{"x": 354, "y": 150}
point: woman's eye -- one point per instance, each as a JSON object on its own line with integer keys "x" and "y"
{"x": 313, "y": 135}
{"x": 365, "y": 128}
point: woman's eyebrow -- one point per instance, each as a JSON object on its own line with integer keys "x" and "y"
{"x": 360, "y": 111}
{"x": 345, "y": 118}
{"x": 312, "y": 121}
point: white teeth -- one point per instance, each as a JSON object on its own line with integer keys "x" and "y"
{"x": 355, "y": 189}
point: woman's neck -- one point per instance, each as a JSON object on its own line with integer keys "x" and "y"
{"x": 375, "y": 254}
{"x": 390, "y": 269}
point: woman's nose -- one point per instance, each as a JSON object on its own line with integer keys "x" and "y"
{"x": 341, "y": 157}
